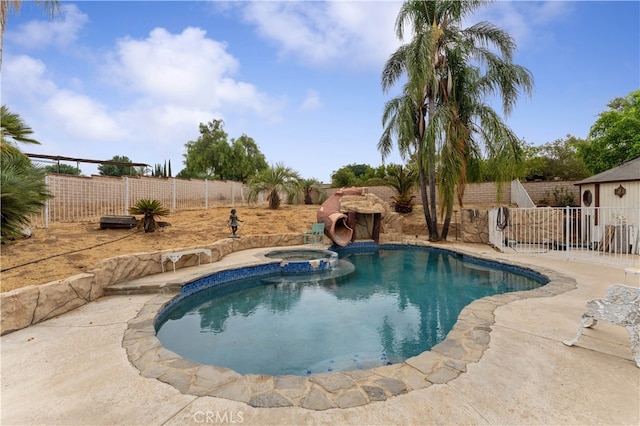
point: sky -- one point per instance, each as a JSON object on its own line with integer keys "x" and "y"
{"x": 302, "y": 78}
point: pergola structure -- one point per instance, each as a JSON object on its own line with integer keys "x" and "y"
{"x": 58, "y": 159}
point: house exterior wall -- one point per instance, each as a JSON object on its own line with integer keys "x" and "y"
{"x": 608, "y": 198}
{"x": 610, "y": 213}
{"x": 604, "y": 194}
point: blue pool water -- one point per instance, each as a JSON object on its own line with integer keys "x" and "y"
{"x": 394, "y": 305}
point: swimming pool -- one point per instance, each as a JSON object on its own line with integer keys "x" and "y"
{"x": 397, "y": 303}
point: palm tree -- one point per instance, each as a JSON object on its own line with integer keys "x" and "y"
{"x": 274, "y": 180}
{"x": 471, "y": 120}
{"x": 23, "y": 187}
{"x": 433, "y": 118}
{"x": 150, "y": 209}
{"x": 403, "y": 180}
{"x": 308, "y": 186}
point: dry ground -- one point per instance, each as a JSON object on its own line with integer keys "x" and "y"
{"x": 67, "y": 249}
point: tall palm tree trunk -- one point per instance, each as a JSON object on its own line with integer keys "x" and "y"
{"x": 431, "y": 166}
{"x": 433, "y": 223}
{"x": 447, "y": 223}
{"x": 423, "y": 188}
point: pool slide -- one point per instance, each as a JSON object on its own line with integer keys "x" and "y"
{"x": 336, "y": 224}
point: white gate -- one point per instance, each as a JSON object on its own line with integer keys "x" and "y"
{"x": 609, "y": 234}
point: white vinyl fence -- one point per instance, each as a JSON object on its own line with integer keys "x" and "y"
{"x": 77, "y": 198}
{"x": 609, "y": 234}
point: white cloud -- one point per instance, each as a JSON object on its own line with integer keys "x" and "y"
{"x": 185, "y": 69}
{"x": 525, "y": 21}
{"x": 63, "y": 121}
{"x": 165, "y": 84}
{"x": 311, "y": 101}
{"x": 25, "y": 78}
{"x": 61, "y": 31}
{"x": 551, "y": 11}
{"x": 328, "y": 33}
{"x": 84, "y": 118}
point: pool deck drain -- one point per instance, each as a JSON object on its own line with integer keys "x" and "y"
{"x": 465, "y": 343}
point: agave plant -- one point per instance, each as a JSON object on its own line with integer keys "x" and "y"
{"x": 150, "y": 209}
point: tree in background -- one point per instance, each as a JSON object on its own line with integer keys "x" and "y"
{"x": 555, "y": 160}
{"x": 162, "y": 171}
{"x": 211, "y": 156}
{"x": 206, "y": 156}
{"x": 343, "y": 178}
{"x": 275, "y": 180}
{"x": 356, "y": 175}
{"x": 615, "y": 137}
{"x": 22, "y": 185}
{"x": 246, "y": 160}
{"x": 118, "y": 170}
{"x": 64, "y": 169}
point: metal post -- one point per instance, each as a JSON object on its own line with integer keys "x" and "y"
{"x": 46, "y": 203}
{"x": 567, "y": 226}
{"x": 126, "y": 195}
{"x": 206, "y": 194}
{"x": 173, "y": 195}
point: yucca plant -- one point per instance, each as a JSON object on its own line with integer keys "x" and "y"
{"x": 150, "y": 209}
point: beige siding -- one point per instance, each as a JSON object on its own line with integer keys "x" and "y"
{"x": 609, "y": 199}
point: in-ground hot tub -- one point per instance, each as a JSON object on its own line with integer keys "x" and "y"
{"x": 299, "y": 261}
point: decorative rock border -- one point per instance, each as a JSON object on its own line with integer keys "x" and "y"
{"x": 30, "y": 305}
{"x": 465, "y": 344}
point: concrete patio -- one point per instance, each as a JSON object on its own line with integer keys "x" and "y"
{"x": 73, "y": 369}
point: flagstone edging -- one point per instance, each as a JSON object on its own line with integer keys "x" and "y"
{"x": 465, "y": 344}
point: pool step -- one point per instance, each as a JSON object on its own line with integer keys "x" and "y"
{"x": 143, "y": 288}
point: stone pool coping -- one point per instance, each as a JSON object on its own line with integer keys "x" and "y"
{"x": 466, "y": 343}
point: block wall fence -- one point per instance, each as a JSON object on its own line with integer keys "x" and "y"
{"x": 486, "y": 193}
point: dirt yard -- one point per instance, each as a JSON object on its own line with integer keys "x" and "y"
{"x": 68, "y": 249}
